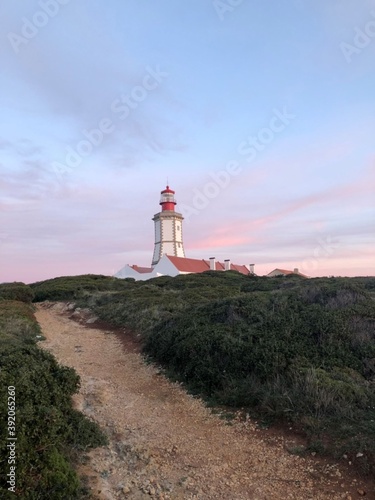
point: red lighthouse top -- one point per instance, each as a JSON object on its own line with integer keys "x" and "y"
{"x": 167, "y": 200}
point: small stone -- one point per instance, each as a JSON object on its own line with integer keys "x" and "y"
{"x": 359, "y": 454}
{"x": 361, "y": 492}
{"x": 91, "y": 320}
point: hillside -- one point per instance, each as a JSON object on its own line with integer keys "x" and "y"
{"x": 166, "y": 444}
{"x": 291, "y": 350}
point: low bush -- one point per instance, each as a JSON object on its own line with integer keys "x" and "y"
{"x": 16, "y": 291}
{"x": 73, "y": 287}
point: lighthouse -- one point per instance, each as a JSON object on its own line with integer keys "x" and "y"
{"x": 168, "y": 228}
{"x": 169, "y": 255}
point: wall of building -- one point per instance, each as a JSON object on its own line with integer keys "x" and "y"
{"x": 168, "y": 235}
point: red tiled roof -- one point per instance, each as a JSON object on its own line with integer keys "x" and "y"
{"x": 189, "y": 265}
{"x": 141, "y": 269}
{"x": 200, "y": 265}
{"x": 240, "y": 269}
{"x": 219, "y": 266}
{"x": 284, "y": 271}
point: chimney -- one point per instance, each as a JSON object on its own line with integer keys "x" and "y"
{"x": 252, "y": 268}
{"x": 212, "y": 264}
{"x": 226, "y": 265}
{"x": 296, "y": 270}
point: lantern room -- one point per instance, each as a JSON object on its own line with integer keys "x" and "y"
{"x": 167, "y": 200}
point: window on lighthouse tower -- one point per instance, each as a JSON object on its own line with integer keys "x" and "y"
{"x": 167, "y": 198}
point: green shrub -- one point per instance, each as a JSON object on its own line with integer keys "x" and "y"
{"x": 74, "y": 287}
{"x": 16, "y": 291}
{"x": 48, "y": 429}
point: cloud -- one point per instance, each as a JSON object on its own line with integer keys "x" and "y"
{"x": 311, "y": 181}
{"x": 292, "y": 227}
{"x": 76, "y": 80}
{"x": 21, "y": 147}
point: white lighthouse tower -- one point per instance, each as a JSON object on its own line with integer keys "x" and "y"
{"x": 168, "y": 228}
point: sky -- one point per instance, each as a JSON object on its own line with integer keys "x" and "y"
{"x": 260, "y": 115}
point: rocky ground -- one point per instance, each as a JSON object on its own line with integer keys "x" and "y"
{"x": 164, "y": 443}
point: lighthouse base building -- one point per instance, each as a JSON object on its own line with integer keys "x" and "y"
{"x": 169, "y": 254}
{"x": 170, "y": 265}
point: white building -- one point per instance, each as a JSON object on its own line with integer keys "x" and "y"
{"x": 285, "y": 272}
{"x": 170, "y": 265}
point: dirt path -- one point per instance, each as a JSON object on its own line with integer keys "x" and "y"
{"x": 164, "y": 443}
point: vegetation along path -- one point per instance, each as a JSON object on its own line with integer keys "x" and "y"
{"x": 164, "y": 443}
